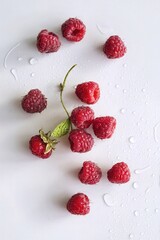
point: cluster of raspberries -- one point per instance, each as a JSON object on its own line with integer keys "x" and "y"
{"x": 81, "y": 117}
{"x": 74, "y": 30}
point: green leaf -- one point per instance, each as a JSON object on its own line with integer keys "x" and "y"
{"x": 61, "y": 129}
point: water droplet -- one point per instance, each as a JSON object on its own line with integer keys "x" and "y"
{"x": 14, "y": 73}
{"x": 131, "y": 140}
{"x": 135, "y": 185}
{"x": 138, "y": 123}
{"x": 122, "y": 205}
{"x": 108, "y": 200}
{"x": 152, "y": 175}
{"x": 155, "y": 128}
{"x": 130, "y": 236}
{"x": 134, "y": 112}
{"x": 20, "y": 59}
{"x": 143, "y": 90}
{"x": 32, "y": 74}
{"x": 124, "y": 65}
{"x": 118, "y": 157}
{"x": 136, "y": 213}
{"x": 146, "y": 200}
{"x": 142, "y": 233}
{"x": 156, "y": 210}
{"x": 147, "y": 190}
{"x": 134, "y": 199}
{"x": 149, "y": 149}
{"x": 122, "y": 110}
{"x": 146, "y": 209}
{"x": 138, "y": 171}
{"x": 116, "y": 86}
{"x": 146, "y": 103}
{"x": 121, "y": 77}
{"x": 109, "y": 230}
{"x": 33, "y": 61}
{"x": 124, "y": 90}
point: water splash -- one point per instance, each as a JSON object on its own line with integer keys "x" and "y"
{"x": 14, "y": 73}
{"x": 138, "y": 171}
{"x": 8, "y": 53}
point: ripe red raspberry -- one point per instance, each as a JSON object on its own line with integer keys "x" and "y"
{"x": 114, "y": 47}
{"x": 79, "y": 204}
{"x": 38, "y": 147}
{"x": 34, "y": 101}
{"x": 80, "y": 141}
{"x": 48, "y": 42}
{"x": 119, "y": 173}
{"x": 88, "y": 92}
{"x": 90, "y": 173}
{"x": 104, "y": 127}
{"x": 73, "y": 29}
{"x": 82, "y": 117}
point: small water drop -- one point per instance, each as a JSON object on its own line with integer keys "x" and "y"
{"x": 130, "y": 236}
{"x": 135, "y": 185}
{"x": 122, "y": 205}
{"x": 156, "y": 210}
{"x": 32, "y": 74}
{"x": 152, "y": 175}
{"x": 143, "y": 89}
{"x": 20, "y": 59}
{"x": 146, "y": 209}
{"x": 134, "y": 112}
{"x": 136, "y": 213}
{"x": 108, "y": 200}
{"x": 124, "y": 65}
{"x": 116, "y": 86}
{"x": 118, "y": 157}
{"x": 131, "y": 140}
{"x": 134, "y": 199}
{"x": 124, "y": 90}
{"x": 142, "y": 233}
{"x": 146, "y": 103}
{"x": 122, "y": 111}
{"x": 33, "y": 61}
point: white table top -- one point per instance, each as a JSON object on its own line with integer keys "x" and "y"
{"x": 33, "y": 192}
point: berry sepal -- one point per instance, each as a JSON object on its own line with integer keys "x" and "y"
{"x": 47, "y": 139}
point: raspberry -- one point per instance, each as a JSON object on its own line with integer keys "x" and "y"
{"x": 114, "y": 47}
{"x": 34, "y": 101}
{"x": 79, "y": 204}
{"x": 38, "y": 147}
{"x": 104, "y": 127}
{"x": 48, "y": 42}
{"x": 82, "y": 117}
{"x": 88, "y": 92}
{"x": 119, "y": 173}
{"x": 90, "y": 173}
{"x": 80, "y": 141}
{"x": 73, "y": 29}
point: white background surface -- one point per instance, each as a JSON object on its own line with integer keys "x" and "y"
{"x": 33, "y": 192}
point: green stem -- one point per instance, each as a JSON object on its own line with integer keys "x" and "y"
{"x": 62, "y": 86}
